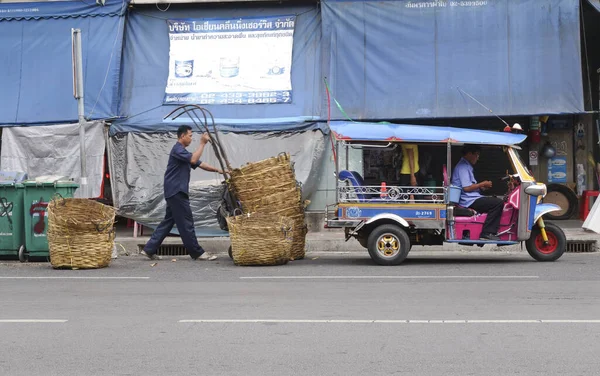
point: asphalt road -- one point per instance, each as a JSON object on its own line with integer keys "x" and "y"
{"x": 456, "y": 313}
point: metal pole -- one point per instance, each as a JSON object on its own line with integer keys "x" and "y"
{"x": 78, "y": 94}
{"x": 449, "y": 162}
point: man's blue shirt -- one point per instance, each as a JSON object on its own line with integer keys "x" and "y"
{"x": 177, "y": 176}
{"x": 462, "y": 176}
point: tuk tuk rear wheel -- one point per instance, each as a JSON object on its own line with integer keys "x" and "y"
{"x": 557, "y": 243}
{"x": 388, "y": 244}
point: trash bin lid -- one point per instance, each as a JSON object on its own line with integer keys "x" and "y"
{"x": 9, "y": 183}
{"x": 51, "y": 180}
{"x": 12, "y": 176}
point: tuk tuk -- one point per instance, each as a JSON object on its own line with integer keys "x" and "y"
{"x": 388, "y": 220}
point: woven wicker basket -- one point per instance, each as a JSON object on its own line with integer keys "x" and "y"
{"x": 281, "y": 174}
{"x": 281, "y": 159}
{"x": 261, "y": 188}
{"x": 80, "y": 233}
{"x": 297, "y": 251}
{"x": 289, "y": 198}
{"x": 260, "y": 239}
{"x": 289, "y": 211}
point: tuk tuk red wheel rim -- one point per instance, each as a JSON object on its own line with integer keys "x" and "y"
{"x": 546, "y": 248}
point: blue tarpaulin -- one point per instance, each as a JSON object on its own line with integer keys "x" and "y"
{"x": 35, "y": 64}
{"x": 364, "y": 131}
{"x": 146, "y": 69}
{"x": 420, "y": 59}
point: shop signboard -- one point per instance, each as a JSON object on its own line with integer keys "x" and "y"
{"x": 230, "y": 61}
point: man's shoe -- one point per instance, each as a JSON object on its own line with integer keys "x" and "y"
{"x": 489, "y": 237}
{"x": 206, "y": 257}
{"x": 152, "y": 256}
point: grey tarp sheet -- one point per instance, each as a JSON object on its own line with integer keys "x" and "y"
{"x": 138, "y": 162}
{"x": 54, "y": 150}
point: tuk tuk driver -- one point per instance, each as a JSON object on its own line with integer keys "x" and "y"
{"x": 471, "y": 196}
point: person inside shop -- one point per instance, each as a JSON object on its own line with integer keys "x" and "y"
{"x": 176, "y": 188}
{"x": 471, "y": 196}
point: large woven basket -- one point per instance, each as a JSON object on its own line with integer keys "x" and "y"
{"x": 258, "y": 189}
{"x": 260, "y": 239}
{"x": 280, "y": 174}
{"x": 298, "y": 248}
{"x": 250, "y": 168}
{"x": 80, "y": 233}
{"x": 273, "y": 202}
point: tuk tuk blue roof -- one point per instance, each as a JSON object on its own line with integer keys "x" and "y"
{"x": 389, "y": 132}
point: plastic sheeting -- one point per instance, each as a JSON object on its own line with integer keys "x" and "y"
{"x": 405, "y": 59}
{"x": 35, "y": 64}
{"x": 54, "y": 150}
{"x": 592, "y": 222}
{"x": 146, "y": 68}
{"x": 138, "y": 162}
{"x": 595, "y": 4}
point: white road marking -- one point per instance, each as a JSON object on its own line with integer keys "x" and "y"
{"x": 66, "y": 277}
{"x": 258, "y": 321}
{"x": 396, "y": 277}
{"x": 17, "y": 321}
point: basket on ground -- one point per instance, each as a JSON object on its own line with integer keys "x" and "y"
{"x": 80, "y": 233}
{"x": 297, "y": 250}
{"x": 260, "y": 239}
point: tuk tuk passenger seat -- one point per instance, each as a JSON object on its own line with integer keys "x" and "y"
{"x": 356, "y": 180}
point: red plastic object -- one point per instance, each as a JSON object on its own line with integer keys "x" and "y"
{"x": 584, "y": 209}
{"x": 383, "y": 190}
{"x": 535, "y": 136}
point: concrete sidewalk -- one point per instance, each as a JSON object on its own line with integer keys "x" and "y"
{"x": 333, "y": 241}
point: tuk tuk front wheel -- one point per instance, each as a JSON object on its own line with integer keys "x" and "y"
{"x": 388, "y": 244}
{"x": 557, "y": 243}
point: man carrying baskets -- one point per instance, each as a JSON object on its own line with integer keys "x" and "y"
{"x": 176, "y": 186}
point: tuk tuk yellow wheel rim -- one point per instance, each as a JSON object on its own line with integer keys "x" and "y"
{"x": 388, "y": 245}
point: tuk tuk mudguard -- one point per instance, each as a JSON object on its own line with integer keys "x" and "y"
{"x": 542, "y": 209}
{"x": 401, "y": 221}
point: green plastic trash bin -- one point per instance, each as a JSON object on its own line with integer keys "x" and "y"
{"x": 12, "y": 237}
{"x": 36, "y": 198}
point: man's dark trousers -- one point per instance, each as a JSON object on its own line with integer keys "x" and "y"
{"x": 493, "y": 207}
{"x": 178, "y": 213}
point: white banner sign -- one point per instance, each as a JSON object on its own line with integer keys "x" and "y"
{"x": 230, "y": 61}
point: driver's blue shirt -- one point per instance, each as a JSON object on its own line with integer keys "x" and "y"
{"x": 177, "y": 176}
{"x": 462, "y": 176}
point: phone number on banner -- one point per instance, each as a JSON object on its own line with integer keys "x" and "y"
{"x": 243, "y": 97}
